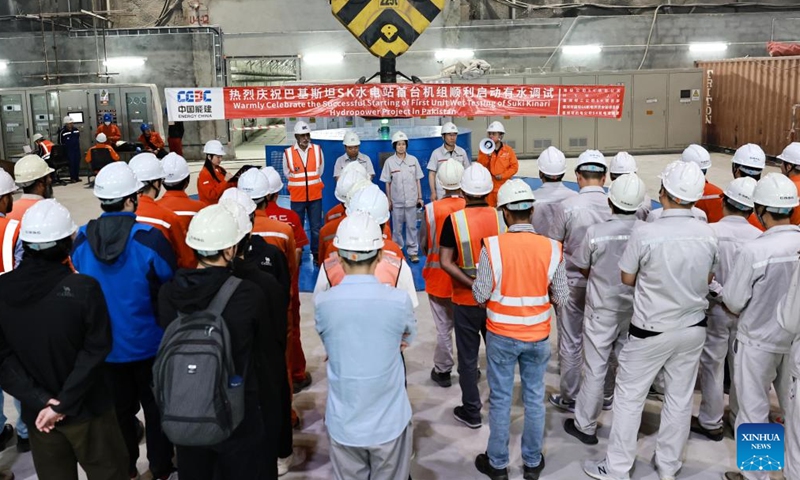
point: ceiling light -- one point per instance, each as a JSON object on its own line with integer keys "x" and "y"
{"x": 323, "y": 58}
{"x": 708, "y": 47}
{"x": 454, "y": 54}
{"x": 124, "y": 62}
{"x": 3, "y": 65}
{"x": 581, "y": 49}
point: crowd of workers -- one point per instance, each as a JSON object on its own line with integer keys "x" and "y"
{"x": 189, "y": 309}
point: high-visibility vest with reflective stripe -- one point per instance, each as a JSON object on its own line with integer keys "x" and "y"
{"x": 326, "y": 235}
{"x": 523, "y": 265}
{"x": 304, "y": 181}
{"x": 20, "y": 207}
{"x": 437, "y": 281}
{"x": 471, "y": 226}
{"x": 387, "y": 271}
{"x": 335, "y": 213}
{"x": 9, "y": 233}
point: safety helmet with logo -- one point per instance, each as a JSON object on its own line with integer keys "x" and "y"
{"x": 30, "y": 168}
{"x": 147, "y": 167}
{"x": 351, "y": 139}
{"x": 37, "y": 137}
{"x": 213, "y": 229}
{"x": 372, "y": 200}
{"x": 144, "y": 127}
{"x": 751, "y": 157}
{"x": 358, "y": 237}
{"x": 214, "y": 147}
{"x": 552, "y": 162}
{"x": 449, "y": 174}
{"x": 515, "y": 194}
{"x": 776, "y": 192}
{"x": 697, "y": 154}
{"x": 791, "y": 154}
{"x": 476, "y": 180}
{"x": 241, "y": 198}
{"x": 449, "y": 127}
{"x": 683, "y": 181}
{"x": 739, "y": 193}
{"x": 101, "y": 138}
{"x": 254, "y": 183}
{"x": 106, "y": 117}
{"x": 496, "y": 127}
{"x": 67, "y": 120}
{"x": 591, "y": 161}
{"x": 359, "y": 185}
{"x": 115, "y": 181}
{"x": 273, "y": 178}
{"x": 622, "y": 163}
{"x": 302, "y": 128}
{"x": 175, "y": 168}
{"x": 399, "y": 137}
{"x": 45, "y": 223}
{"x": 345, "y": 182}
{"x": 7, "y": 184}
{"x": 355, "y": 166}
{"x": 238, "y": 211}
{"x": 627, "y": 192}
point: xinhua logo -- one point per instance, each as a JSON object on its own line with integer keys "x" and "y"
{"x": 759, "y": 446}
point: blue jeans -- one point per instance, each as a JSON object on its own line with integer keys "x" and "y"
{"x": 502, "y": 355}
{"x": 22, "y": 429}
{"x": 314, "y": 210}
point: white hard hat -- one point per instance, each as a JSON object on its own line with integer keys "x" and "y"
{"x": 399, "y": 136}
{"x": 254, "y": 183}
{"x": 372, "y": 200}
{"x": 791, "y": 154}
{"x": 214, "y": 228}
{"x": 273, "y": 178}
{"x": 214, "y": 147}
{"x": 345, "y": 182}
{"x": 740, "y": 191}
{"x": 449, "y": 127}
{"x": 552, "y": 162}
{"x": 30, "y": 168}
{"x": 622, "y": 163}
{"x": 147, "y": 167}
{"x": 301, "y": 128}
{"x": 101, "y": 138}
{"x": 450, "y": 173}
{"x": 697, "y": 154}
{"x": 684, "y": 181}
{"x": 37, "y": 136}
{"x": 359, "y": 185}
{"x": 515, "y": 194}
{"x": 175, "y": 168}
{"x": 354, "y": 166}
{"x": 116, "y": 180}
{"x": 351, "y": 139}
{"x": 46, "y": 221}
{"x": 476, "y": 180}
{"x": 776, "y": 192}
{"x": 239, "y": 212}
{"x": 496, "y": 127}
{"x": 67, "y": 120}
{"x": 591, "y": 161}
{"x": 750, "y": 155}
{"x": 627, "y": 192}
{"x": 358, "y": 237}
{"x": 7, "y": 184}
{"x": 239, "y": 197}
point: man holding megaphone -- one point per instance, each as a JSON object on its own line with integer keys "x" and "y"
{"x": 501, "y": 161}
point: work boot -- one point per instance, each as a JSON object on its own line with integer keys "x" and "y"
{"x": 483, "y": 466}
{"x": 461, "y": 415}
{"x": 569, "y": 427}
{"x": 734, "y": 476}
{"x": 561, "y": 404}
{"x": 532, "y": 473}
{"x": 442, "y": 379}
{"x": 715, "y": 434}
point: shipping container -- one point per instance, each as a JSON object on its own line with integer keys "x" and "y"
{"x": 750, "y": 100}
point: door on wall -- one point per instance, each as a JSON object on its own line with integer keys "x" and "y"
{"x": 14, "y": 135}
{"x": 650, "y": 111}
{"x": 137, "y": 110}
{"x": 615, "y": 135}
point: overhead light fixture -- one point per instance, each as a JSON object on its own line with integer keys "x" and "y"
{"x": 708, "y": 47}
{"x": 124, "y": 62}
{"x": 454, "y": 54}
{"x": 323, "y": 58}
{"x": 3, "y": 65}
{"x": 581, "y": 49}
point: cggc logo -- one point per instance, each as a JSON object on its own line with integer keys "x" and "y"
{"x": 194, "y": 96}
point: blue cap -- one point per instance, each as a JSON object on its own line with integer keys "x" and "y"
{"x": 106, "y": 117}
{"x": 144, "y": 127}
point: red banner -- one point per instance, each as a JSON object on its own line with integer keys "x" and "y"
{"x": 419, "y": 100}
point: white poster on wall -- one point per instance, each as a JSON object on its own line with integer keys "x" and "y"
{"x": 192, "y": 104}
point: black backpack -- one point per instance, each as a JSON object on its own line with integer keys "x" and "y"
{"x": 199, "y": 394}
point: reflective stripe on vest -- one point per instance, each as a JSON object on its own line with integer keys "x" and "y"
{"x": 466, "y": 258}
{"x": 433, "y": 240}
{"x": 8, "y": 246}
{"x": 272, "y": 234}
{"x": 304, "y": 180}
{"x": 387, "y": 272}
{"x": 153, "y": 221}
{"x": 188, "y": 213}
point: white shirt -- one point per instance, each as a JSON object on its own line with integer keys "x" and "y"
{"x": 403, "y": 176}
{"x": 441, "y": 155}
{"x": 342, "y": 161}
{"x": 405, "y": 281}
{"x": 732, "y": 233}
{"x": 789, "y": 318}
{"x": 696, "y": 212}
{"x": 548, "y": 196}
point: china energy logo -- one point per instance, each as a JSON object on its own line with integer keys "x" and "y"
{"x": 759, "y": 446}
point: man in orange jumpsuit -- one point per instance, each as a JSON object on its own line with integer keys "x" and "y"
{"x": 110, "y": 130}
{"x": 101, "y": 144}
{"x": 502, "y": 163}
{"x": 151, "y": 141}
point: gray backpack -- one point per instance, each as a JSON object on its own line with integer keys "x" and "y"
{"x": 199, "y": 394}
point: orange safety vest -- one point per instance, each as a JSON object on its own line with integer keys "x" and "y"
{"x": 334, "y": 213}
{"x": 437, "y": 281}
{"x": 47, "y": 147}
{"x": 523, "y": 265}
{"x": 304, "y": 181}
{"x": 9, "y": 233}
{"x": 796, "y": 214}
{"x": 711, "y": 202}
{"x": 471, "y": 226}
{"x": 169, "y": 224}
{"x": 387, "y": 271}
{"x": 20, "y": 207}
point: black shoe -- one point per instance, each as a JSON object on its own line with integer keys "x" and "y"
{"x": 441, "y": 379}
{"x": 6, "y": 435}
{"x": 139, "y": 431}
{"x": 462, "y": 417}
{"x": 569, "y": 427}
{"x": 23, "y": 445}
{"x": 715, "y": 434}
{"x": 483, "y": 466}
{"x": 298, "y": 387}
{"x": 532, "y": 473}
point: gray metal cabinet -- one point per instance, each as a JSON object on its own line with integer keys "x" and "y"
{"x": 650, "y": 111}
{"x": 615, "y": 135}
{"x": 541, "y": 132}
{"x": 685, "y": 110}
{"x": 577, "y": 134}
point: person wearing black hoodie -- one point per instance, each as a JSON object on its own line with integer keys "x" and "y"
{"x": 53, "y": 361}
{"x": 215, "y": 236}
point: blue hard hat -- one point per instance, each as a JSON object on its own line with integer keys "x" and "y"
{"x": 144, "y": 127}
{"x": 106, "y": 117}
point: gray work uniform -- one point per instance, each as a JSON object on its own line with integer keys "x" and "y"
{"x": 672, "y": 259}
{"x": 789, "y": 319}
{"x": 758, "y": 282}
{"x": 403, "y": 176}
{"x": 548, "y": 197}
{"x": 572, "y": 218}
{"x": 732, "y": 232}
{"x": 609, "y": 307}
{"x": 645, "y": 208}
{"x": 342, "y": 162}
{"x": 441, "y": 155}
{"x": 696, "y": 212}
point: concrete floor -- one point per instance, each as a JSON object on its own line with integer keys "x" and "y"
{"x": 444, "y": 448}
